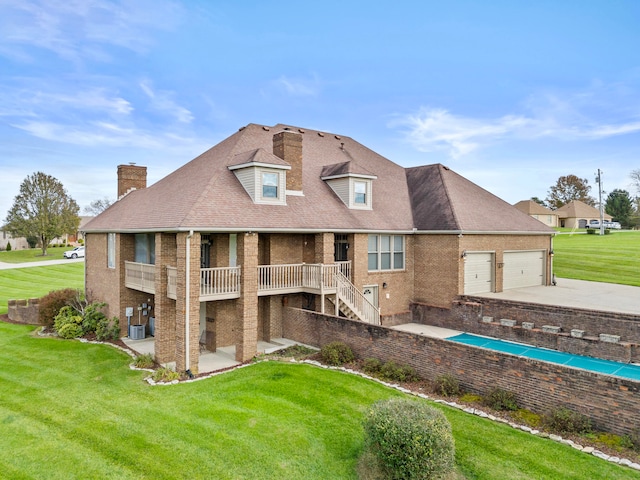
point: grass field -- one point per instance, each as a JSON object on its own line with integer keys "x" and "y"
{"x": 74, "y": 410}
{"x": 32, "y": 255}
{"x": 613, "y": 258}
{"x": 34, "y": 282}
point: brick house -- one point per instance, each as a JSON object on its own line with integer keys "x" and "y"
{"x": 284, "y": 216}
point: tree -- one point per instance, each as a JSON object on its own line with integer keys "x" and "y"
{"x": 42, "y": 209}
{"x": 620, "y": 206}
{"x": 569, "y": 188}
{"x": 539, "y": 201}
{"x": 98, "y": 206}
{"x": 635, "y": 178}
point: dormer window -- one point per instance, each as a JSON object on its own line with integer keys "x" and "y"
{"x": 263, "y": 176}
{"x": 352, "y": 183}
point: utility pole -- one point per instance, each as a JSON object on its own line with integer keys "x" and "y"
{"x": 599, "y": 180}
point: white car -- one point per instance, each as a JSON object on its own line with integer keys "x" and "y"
{"x": 75, "y": 253}
{"x": 614, "y": 225}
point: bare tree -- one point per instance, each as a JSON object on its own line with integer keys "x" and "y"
{"x": 568, "y": 188}
{"x": 42, "y": 209}
{"x": 98, "y": 206}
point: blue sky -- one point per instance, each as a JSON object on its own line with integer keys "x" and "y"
{"x": 510, "y": 94}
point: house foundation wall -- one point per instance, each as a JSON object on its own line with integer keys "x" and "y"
{"x": 610, "y": 402}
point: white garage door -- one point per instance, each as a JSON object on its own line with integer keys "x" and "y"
{"x": 478, "y": 273}
{"x": 523, "y": 269}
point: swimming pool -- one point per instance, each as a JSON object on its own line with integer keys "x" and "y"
{"x": 598, "y": 365}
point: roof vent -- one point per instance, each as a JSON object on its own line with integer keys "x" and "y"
{"x": 320, "y": 134}
{"x": 266, "y": 129}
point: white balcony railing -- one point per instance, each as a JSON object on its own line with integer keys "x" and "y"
{"x": 299, "y": 277}
{"x": 219, "y": 283}
{"x": 140, "y": 276}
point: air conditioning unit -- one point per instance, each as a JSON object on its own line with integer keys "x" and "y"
{"x": 136, "y": 332}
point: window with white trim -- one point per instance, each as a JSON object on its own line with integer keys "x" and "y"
{"x": 111, "y": 250}
{"x": 360, "y": 193}
{"x": 270, "y": 182}
{"x": 386, "y": 252}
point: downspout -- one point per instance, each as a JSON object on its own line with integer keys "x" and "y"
{"x": 553, "y": 275}
{"x": 187, "y": 300}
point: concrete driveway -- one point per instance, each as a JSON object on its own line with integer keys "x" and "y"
{"x": 579, "y": 294}
{"x": 43, "y": 263}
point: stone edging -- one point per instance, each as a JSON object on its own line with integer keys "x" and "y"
{"x": 474, "y": 411}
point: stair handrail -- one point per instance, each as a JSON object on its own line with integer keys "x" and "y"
{"x": 355, "y": 300}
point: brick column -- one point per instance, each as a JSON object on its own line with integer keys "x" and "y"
{"x": 190, "y": 305}
{"x": 165, "y": 307}
{"x": 247, "y": 346}
{"x": 324, "y": 248}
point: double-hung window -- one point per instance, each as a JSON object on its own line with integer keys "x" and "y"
{"x": 360, "y": 193}
{"x": 269, "y": 185}
{"x": 386, "y": 252}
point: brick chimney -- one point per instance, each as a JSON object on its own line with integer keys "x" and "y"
{"x": 131, "y": 177}
{"x": 288, "y": 146}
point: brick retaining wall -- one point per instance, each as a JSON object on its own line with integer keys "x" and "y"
{"x": 24, "y": 311}
{"x": 467, "y": 315}
{"x": 611, "y": 403}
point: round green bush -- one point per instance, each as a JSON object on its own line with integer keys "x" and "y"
{"x": 68, "y": 323}
{"x": 337, "y": 353}
{"x": 500, "y": 399}
{"x": 410, "y": 439}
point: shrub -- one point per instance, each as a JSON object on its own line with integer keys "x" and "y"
{"x": 108, "y": 329}
{"x": 409, "y": 439}
{"x": 336, "y": 353}
{"x": 591, "y": 231}
{"x": 144, "y": 361}
{"x": 52, "y": 303}
{"x": 634, "y": 439}
{"x": 372, "y": 366}
{"x": 400, "y": 373}
{"x": 470, "y": 398}
{"x": 68, "y": 323}
{"x": 500, "y": 399}
{"x": 527, "y": 417}
{"x": 164, "y": 374}
{"x": 91, "y": 316}
{"x": 8, "y": 246}
{"x": 446, "y": 385}
{"x": 565, "y": 420}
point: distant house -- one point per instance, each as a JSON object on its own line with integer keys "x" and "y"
{"x": 577, "y": 214}
{"x": 537, "y": 211}
{"x": 284, "y": 216}
{"x": 17, "y": 243}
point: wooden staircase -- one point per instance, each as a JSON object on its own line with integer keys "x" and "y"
{"x": 352, "y": 303}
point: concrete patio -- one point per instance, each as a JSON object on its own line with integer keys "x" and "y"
{"x": 223, "y": 357}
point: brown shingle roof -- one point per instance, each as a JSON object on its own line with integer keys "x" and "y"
{"x": 578, "y": 209}
{"x": 533, "y": 208}
{"x": 205, "y": 195}
{"x": 444, "y": 200}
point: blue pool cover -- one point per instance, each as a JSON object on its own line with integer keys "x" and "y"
{"x": 598, "y": 365}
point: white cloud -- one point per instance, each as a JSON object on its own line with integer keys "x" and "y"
{"x": 299, "y": 87}
{"x": 162, "y": 102}
{"x": 562, "y": 117}
{"x": 76, "y": 29}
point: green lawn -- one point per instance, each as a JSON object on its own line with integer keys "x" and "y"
{"x": 32, "y": 255}
{"x": 74, "y": 410}
{"x": 34, "y": 282}
{"x": 613, "y": 258}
